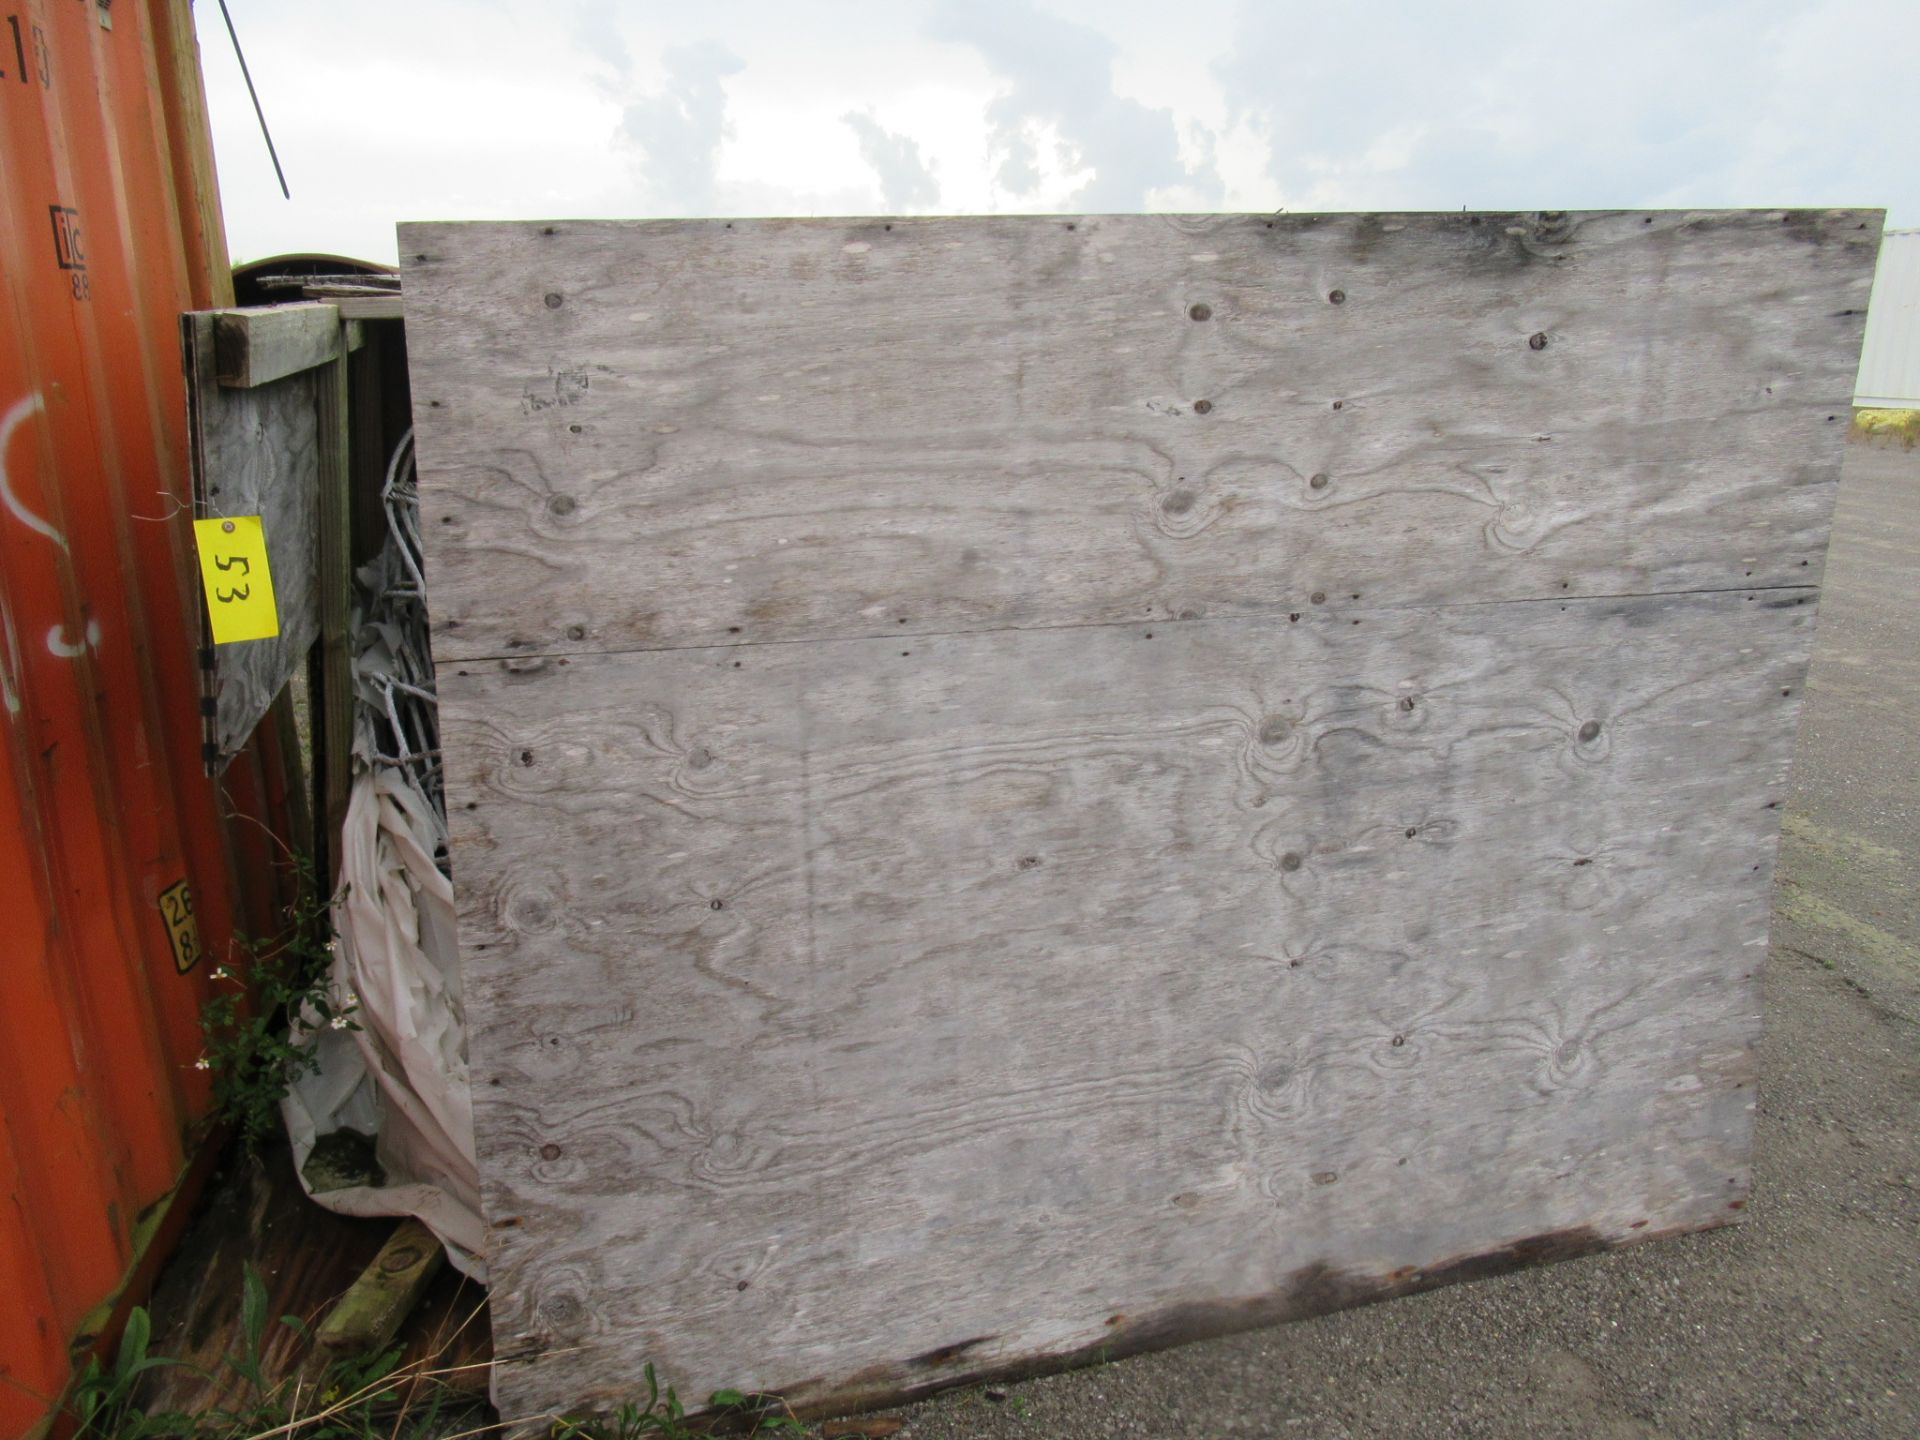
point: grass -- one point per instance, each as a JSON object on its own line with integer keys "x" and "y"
{"x": 354, "y": 1398}
{"x": 663, "y": 1418}
{"x": 371, "y": 1397}
{"x": 1888, "y": 425}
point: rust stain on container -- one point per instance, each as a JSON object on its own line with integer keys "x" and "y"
{"x": 126, "y": 880}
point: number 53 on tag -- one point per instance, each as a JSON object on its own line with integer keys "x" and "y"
{"x": 233, "y": 571}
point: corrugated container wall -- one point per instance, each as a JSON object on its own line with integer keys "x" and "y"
{"x": 128, "y": 872}
{"x": 1890, "y": 352}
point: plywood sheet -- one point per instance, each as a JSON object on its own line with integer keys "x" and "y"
{"x": 256, "y": 452}
{"x": 802, "y": 428}
{"x": 966, "y": 860}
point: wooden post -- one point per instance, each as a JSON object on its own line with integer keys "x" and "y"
{"x": 183, "y": 104}
{"x": 333, "y": 670}
{"x": 367, "y": 375}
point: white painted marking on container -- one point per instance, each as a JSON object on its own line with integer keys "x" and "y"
{"x": 10, "y": 422}
{"x": 65, "y": 649}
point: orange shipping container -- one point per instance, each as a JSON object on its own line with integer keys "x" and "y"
{"x": 128, "y": 872}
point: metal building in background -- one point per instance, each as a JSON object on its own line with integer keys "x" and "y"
{"x": 1890, "y": 354}
{"x": 128, "y": 872}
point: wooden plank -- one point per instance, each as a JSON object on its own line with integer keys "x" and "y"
{"x": 370, "y": 1314}
{"x": 328, "y": 287}
{"x": 260, "y": 345}
{"x": 855, "y": 1021}
{"x": 255, "y": 452}
{"x": 259, "y": 1217}
{"x": 809, "y": 428}
{"x": 333, "y": 699}
{"x": 367, "y": 400}
{"x": 189, "y": 139}
{"x": 969, "y": 859}
{"x": 372, "y": 307}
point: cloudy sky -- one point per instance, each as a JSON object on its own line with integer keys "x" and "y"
{"x": 486, "y": 109}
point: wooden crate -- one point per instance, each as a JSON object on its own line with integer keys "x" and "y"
{"x": 1029, "y": 788}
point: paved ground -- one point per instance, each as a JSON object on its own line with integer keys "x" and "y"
{"x": 1803, "y": 1322}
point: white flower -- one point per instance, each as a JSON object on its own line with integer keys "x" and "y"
{"x": 339, "y": 1022}
{"x": 203, "y": 1063}
{"x": 222, "y": 973}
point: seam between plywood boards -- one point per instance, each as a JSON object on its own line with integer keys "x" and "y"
{"x": 1352, "y": 613}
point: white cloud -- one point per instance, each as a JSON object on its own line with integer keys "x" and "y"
{"x": 906, "y": 182}
{"x": 1059, "y": 77}
{"x": 678, "y": 131}
{"x": 596, "y": 34}
{"x": 611, "y": 107}
{"x": 1515, "y": 105}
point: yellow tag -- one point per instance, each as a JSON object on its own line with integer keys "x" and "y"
{"x": 233, "y": 571}
{"x": 183, "y": 931}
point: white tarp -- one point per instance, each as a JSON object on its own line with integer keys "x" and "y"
{"x": 402, "y": 1075}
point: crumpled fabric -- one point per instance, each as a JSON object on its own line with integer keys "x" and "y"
{"x": 402, "y": 1075}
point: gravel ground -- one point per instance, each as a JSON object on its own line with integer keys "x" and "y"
{"x": 1805, "y": 1321}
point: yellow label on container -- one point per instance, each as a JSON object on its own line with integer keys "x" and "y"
{"x": 183, "y": 931}
{"x": 233, "y": 571}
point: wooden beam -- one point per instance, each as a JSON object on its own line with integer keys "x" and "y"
{"x": 372, "y": 307}
{"x": 367, "y": 375}
{"x": 370, "y": 1314}
{"x": 258, "y": 346}
{"x": 332, "y": 701}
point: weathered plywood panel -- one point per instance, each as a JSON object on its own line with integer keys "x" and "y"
{"x": 965, "y": 861}
{"x": 852, "y": 1005}
{"x": 256, "y": 452}
{"x": 807, "y": 428}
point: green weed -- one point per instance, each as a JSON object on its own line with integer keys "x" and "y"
{"x": 254, "y": 1052}
{"x": 371, "y": 1397}
{"x": 362, "y": 1398}
{"x": 663, "y": 1417}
